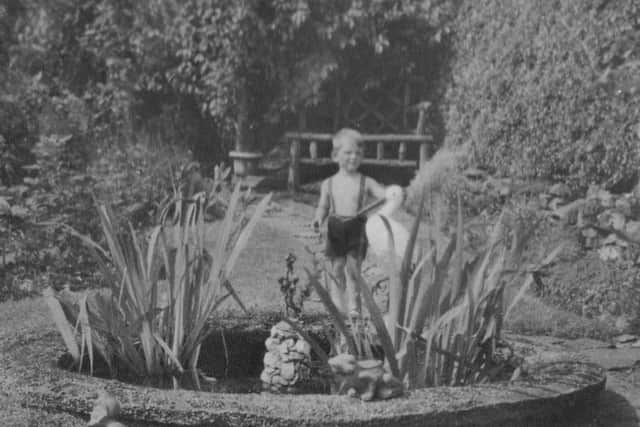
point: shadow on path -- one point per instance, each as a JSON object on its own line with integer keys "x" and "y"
{"x": 614, "y": 410}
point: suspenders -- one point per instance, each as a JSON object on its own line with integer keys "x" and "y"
{"x": 362, "y": 193}
{"x": 356, "y": 224}
{"x": 332, "y": 205}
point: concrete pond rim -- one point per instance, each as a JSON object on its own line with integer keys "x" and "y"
{"x": 556, "y": 385}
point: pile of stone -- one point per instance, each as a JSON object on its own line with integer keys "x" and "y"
{"x": 608, "y": 223}
{"x": 605, "y": 223}
{"x": 287, "y": 362}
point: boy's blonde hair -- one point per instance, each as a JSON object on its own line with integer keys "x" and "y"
{"x": 346, "y": 134}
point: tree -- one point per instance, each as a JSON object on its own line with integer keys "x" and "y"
{"x": 251, "y": 63}
{"x": 255, "y": 61}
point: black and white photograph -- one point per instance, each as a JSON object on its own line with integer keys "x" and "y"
{"x": 318, "y": 213}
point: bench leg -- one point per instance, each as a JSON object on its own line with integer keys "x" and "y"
{"x": 293, "y": 181}
{"x": 423, "y": 155}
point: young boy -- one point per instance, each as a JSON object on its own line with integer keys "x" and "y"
{"x": 342, "y": 196}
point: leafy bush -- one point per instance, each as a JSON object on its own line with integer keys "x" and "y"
{"x": 135, "y": 178}
{"x": 163, "y": 294}
{"x": 16, "y": 141}
{"x": 548, "y": 89}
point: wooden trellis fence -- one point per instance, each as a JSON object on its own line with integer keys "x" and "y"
{"x": 384, "y": 113}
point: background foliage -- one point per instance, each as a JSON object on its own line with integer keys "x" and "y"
{"x": 109, "y": 98}
{"x": 206, "y": 72}
{"x": 548, "y": 89}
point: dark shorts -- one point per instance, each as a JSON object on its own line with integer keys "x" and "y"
{"x": 346, "y": 236}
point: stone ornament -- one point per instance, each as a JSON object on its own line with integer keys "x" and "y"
{"x": 365, "y": 379}
{"x": 287, "y": 362}
{"x": 105, "y": 409}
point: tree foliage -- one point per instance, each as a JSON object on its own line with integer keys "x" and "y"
{"x": 257, "y": 58}
{"x": 246, "y": 65}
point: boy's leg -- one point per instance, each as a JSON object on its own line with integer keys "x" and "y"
{"x": 337, "y": 288}
{"x": 354, "y": 300}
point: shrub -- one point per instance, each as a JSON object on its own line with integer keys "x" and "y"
{"x": 548, "y": 89}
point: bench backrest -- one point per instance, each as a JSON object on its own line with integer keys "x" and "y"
{"x": 315, "y": 148}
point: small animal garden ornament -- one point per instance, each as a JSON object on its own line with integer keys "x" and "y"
{"x": 287, "y": 362}
{"x": 366, "y": 379}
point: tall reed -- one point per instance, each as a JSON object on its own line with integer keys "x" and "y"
{"x": 163, "y": 291}
{"x": 446, "y": 305}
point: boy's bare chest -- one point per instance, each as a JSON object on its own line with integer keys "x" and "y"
{"x": 346, "y": 195}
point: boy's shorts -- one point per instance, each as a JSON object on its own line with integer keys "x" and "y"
{"x": 346, "y": 235}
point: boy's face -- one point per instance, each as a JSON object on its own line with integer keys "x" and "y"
{"x": 349, "y": 156}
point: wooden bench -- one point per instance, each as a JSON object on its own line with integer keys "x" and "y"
{"x": 304, "y": 149}
{"x": 385, "y": 111}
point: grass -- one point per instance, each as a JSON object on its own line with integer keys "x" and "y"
{"x": 25, "y": 312}
{"x": 531, "y": 316}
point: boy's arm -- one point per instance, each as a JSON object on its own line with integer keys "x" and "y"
{"x": 374, "y": 188}
{"x": 323, "y": 206}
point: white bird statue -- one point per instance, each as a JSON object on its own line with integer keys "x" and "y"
{"x": 377, "y": 232}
